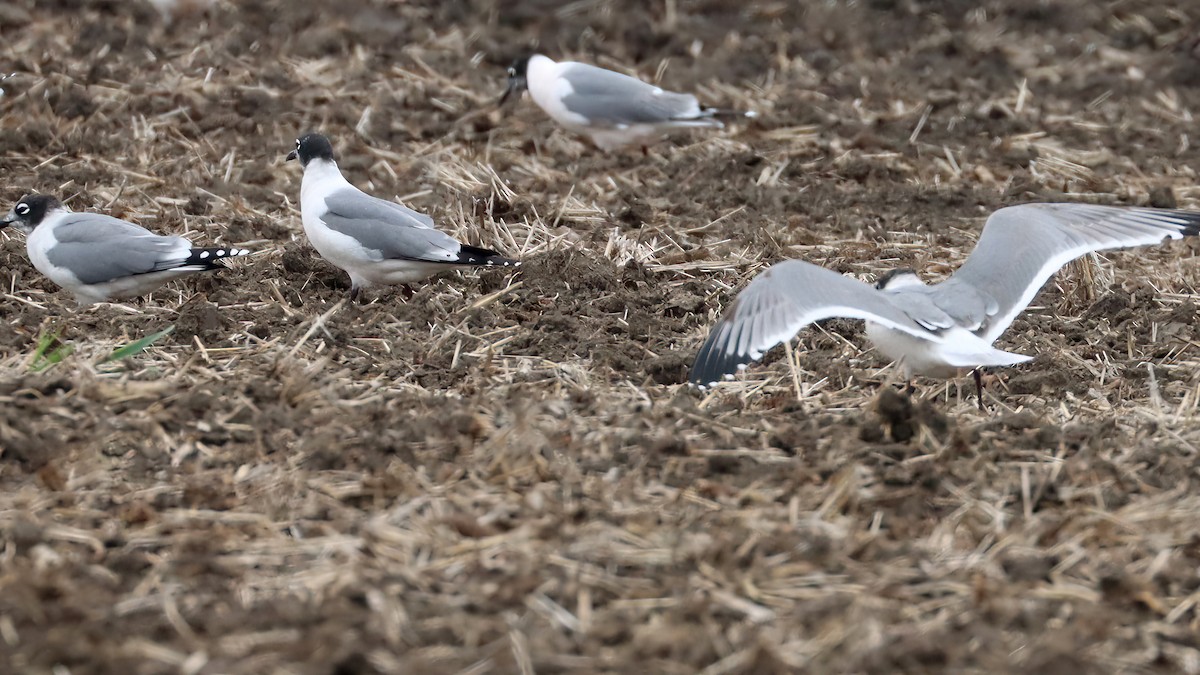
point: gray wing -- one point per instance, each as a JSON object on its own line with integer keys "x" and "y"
{"x": 1022, "y": 246}
{"x": 98, "y": 248}
{"x": 357, "y": 205}
{"x": 606, "y": 98}
{"x": 784, "y": 299}
{"x": 397, "y": 233}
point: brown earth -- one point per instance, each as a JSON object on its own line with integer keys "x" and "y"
{"x": 504, "y": 473}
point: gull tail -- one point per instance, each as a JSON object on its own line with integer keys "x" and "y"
{"x": 204, "y": 259}
{"x": 984, "y": 357}
{"x": 711, "y": 117}
{"x": 963, "y": 349}
{"x": 473, "y": 255}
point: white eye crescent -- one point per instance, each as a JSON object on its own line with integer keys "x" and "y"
{"x": 22, "y": 209}
{"x": 512, "y": 72}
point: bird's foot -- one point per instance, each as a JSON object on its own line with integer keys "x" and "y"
{"x": 978, "y": 387}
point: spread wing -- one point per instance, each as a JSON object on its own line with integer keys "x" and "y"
{"x": 1022, "y": 246}
{"x": 784, "y": 299}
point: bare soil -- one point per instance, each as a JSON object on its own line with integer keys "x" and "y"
{"x": 505, "y": 473}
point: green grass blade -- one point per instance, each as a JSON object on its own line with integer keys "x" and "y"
{"x": 138, "y": 346}
{"x": 49, "y": 351}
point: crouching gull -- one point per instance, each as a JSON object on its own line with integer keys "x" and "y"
{"x": 101, "y": 258}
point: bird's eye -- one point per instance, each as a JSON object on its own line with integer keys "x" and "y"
{"x": 297, "y": 143}
{"x": 22, "y": 209}
{"x": 512, "y": 72}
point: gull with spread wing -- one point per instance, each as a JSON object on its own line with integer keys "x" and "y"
{"x": 941, "y": 329}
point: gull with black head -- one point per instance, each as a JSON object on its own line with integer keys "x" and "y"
{"x": 941, "y": 329}
{"x": 612, "y": 109}
{"x": 101, "y": 258}
{"x": 374, "y": 240}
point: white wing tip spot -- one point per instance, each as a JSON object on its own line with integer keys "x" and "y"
{"x": 203, "y": 255}
{"x": 220, "y": 252}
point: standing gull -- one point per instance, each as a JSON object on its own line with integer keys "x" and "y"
{"x": 612, "y": 109}
{"x": 374, "y": 240}
{"x": 100, "y": 258}
{"x": 941, "y": 329}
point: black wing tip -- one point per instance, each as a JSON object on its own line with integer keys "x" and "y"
{"x": 473, "y": 255}
{"x": 701, "y": 376}
{"x": 710, "y": 369}
{"x": 211, "y": 257}
{"x": 1186, "y": 223}
{"x": 1192, "y": 220}
{"x": 715, "y": 363}
{"x": 718, "y": 357}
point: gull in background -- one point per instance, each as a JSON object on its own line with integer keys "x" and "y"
{"x": 942, "y": 329}
{"x": 374, "y": 240}
{"x": 612, "y": 109}
{"x": 101, "y": 258}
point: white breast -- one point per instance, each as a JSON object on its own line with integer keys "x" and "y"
{"x": 38, "y": 245}
{"x": 321, "y": 179}
{"x": 547, "y": 90}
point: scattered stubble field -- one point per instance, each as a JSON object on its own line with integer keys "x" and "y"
{"x": 505, "y": 473}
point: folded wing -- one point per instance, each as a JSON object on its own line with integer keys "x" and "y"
{"x": 606, "y": 98}
{"x": 98, "y": 248}
{"x": 398, "y": 233}
{"x": 354, "y": 204}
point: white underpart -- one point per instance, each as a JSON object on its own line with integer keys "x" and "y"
{"x": 127, "y": 287}
{"x": 548, "y": 90}
{"x": 365, "y": 266}
{"x": 953, "y": 350}
{"x": 638, "y": 134}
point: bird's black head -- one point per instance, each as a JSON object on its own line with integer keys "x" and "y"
{"x": 310, "y": 147}
{"x": 30, "y": 211}
{"x": 516, "y": 78}
{"x": 894, "y": 279}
